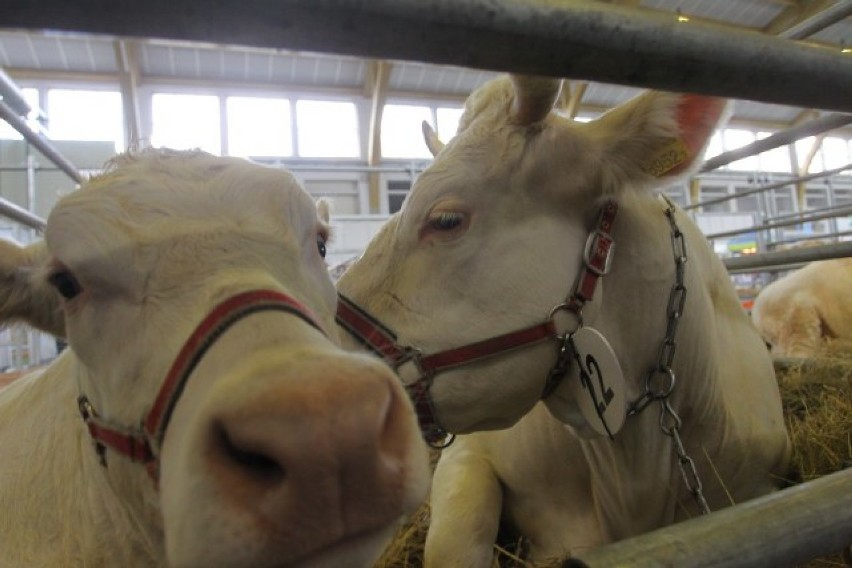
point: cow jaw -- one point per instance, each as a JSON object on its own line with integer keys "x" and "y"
{"x": 303, "y": 456}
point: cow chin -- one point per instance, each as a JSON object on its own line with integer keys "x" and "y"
{"x": 357, "y": 550}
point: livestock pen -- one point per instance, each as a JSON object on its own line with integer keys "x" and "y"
{"x": 615, "y": 44}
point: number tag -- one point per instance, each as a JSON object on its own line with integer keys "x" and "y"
{"x": 597, "y": 383}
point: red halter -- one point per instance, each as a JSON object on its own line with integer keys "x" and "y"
{"x": 417, "y": 370}
{"x": 142, "y": 444}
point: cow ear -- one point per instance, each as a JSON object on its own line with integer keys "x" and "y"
{"x": 25, "y": 295}
{"x": 657, "y": 136}
{"x": 431, "y": 138}
{"x": 534, "y": 98}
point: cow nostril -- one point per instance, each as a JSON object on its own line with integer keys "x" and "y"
{"x": 251, "y": 461}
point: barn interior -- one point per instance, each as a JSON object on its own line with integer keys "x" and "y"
{"x": 336, "y": 92}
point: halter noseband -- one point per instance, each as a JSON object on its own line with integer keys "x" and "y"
{"x": 143, "y": 443}
{"x": 417, "y": 371}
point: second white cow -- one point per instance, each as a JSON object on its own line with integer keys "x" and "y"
{"x": 532, "y": 261}
{"x": 203, "y": 414}
{"x": 799, "y": 313}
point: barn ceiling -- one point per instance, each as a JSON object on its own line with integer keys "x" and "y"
{"x": 51, "y": 55}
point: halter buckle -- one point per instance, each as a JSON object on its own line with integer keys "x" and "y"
{"x": 408, "y": 367}
{"x": 597, "y": 255}
{"x": 85, "y": 407}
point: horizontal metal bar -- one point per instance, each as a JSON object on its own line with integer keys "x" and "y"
{"x": 807, "y": 254}
{"x": 786, "y": 528}
{"x": 782, "y": 138}
{"x": 768, "y": 268}
{"x": 837, "y": 212}
{"x": 41, "y": 143}
{"x": 798, "y": 214}
{"x": 21, "y": 215}
{"x": 810, "y": 238}
{"x": 577, "y": 40}
{"x": 26, "y": 169}
{"x": 771, "y": 186}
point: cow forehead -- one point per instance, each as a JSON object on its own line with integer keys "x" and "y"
{"x": 468, "y": 165}
{"x": 139, "y": 193}
{"x": 492, "y": 162}
{"x": 182, "y": 182}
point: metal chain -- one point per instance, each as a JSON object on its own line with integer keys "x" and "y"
{"x": 660, "y": 380}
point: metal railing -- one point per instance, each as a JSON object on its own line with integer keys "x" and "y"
{"x": 786, "y": 528}
{"x": 798, "y": 220}
{"x": 784, "y": 259}
{"x": 41, "y": 143}
{"x": 592, "y": 41}
{"x": 21, "y": 215}
{"x": 769, "y": 187}
{"x": 778, "y": 139}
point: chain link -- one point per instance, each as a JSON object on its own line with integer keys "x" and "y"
{"x": 660, "y": 379}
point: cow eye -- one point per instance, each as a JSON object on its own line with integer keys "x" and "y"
{"x": 65, "y": 283}
{"x": 321, "y": 245}
{"x": 446, "y": 221}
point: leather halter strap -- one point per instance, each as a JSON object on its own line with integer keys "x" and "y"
{"x": 383, "y": 342}
{"x": 143, "y": 444}
{"x": 597, "y": 257}
{"x": 417, "y": 370}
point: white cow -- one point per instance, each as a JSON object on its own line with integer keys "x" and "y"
{"x": 800, "y": 312}
{"x": 491, "y": 239}
{"x": 204, "y": 414}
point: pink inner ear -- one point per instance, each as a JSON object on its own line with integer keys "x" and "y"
{"x": 697, "y": 118}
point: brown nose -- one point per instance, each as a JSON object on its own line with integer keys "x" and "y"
{"x": 319, "y": 441}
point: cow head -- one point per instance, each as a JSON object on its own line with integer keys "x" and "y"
{"x": 491, "y": 236}
{"x": 279, "y": 448}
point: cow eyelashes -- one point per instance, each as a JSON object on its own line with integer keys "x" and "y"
{"x": 65, "y": 283}
{"x": 445, "y": 224}
{"x": 446, "y": 220}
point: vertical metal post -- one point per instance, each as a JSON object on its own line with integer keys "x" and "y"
{"x": 830, "y": 201}
{"x": 31, "y": 182}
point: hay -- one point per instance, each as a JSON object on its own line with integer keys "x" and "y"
{"x": 817, "y": 398}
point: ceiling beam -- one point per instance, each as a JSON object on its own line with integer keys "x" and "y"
{"x": 370, "y": 78}
{"x": 804, "y": 166}
{"x": 571, "y": 97}
{"x": 128, "y": 65}
{"x": 381, "y": 78}
{"x": 379, "y": 95}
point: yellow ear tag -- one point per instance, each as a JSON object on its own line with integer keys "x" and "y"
{"x": 668, "y": 158}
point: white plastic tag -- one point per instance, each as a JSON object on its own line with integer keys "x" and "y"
{"x": 597, "y": 387}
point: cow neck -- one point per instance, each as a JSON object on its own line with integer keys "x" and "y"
{"x": 143, "y": 443}
{"x": 660, "y": 379}
{"x": 417, "y": 371}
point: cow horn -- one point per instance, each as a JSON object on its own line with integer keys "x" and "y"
{"x": 431, "y": 138}
{"x": 534, "y": 98}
